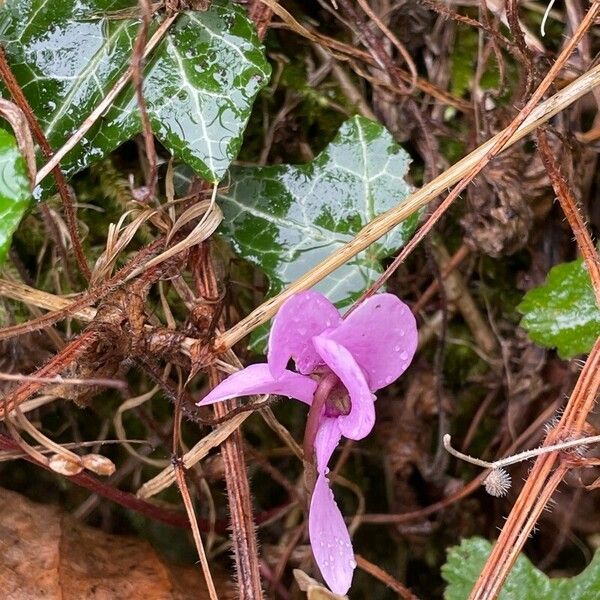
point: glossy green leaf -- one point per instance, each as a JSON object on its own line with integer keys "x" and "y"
{"x": 563, "y": 313}
{"x": 524, "y": 582}
{"x": 15, "y": 190}
{"x": 199, "y": 86}
{"x": 287, "y": 218}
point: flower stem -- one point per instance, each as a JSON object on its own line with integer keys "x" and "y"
{"x": 314, "y": 414}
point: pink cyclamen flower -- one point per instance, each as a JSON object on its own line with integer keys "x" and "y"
{"x": 340, "y": 363}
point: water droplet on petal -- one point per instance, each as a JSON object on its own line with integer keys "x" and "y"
{"x": 389, "y": 379}
{"x": 352, "y": 563}
{"x": 402, "y": 332}
{"x": 403, "y": 355}
{"x": 396, "y": 348}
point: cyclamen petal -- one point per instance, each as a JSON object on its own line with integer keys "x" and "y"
{"x": 326, "y": 441}
{"x": 381, "y": 334}
{"x": 257, "y": 379}
{"x": 359, "y": 422}
{"x": 301, "y": 317}
{"x": 329, "y": 539}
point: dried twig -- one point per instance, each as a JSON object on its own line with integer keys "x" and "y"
{"x": 458, "y": 293}
{"x": 453, "y": 263}
{"x": 185, "y": 495}
{"x": 572, "y": 212}
{"x": 137, "y": 75}
{"x": 61, "y": 183}
{"x": 384, "y": 577}
{"x": 83, "y": 301}
{"x": 540, "y": 484}
{"x": 52, "y": 368}
{"x": 348, "y": 50}
{"x": 410, "y": 63}
{"x": 189, "y": 507}
{"x": 29, "y": 295}
{"x": 238, "y": 488}
{"x": 57, "y": 379}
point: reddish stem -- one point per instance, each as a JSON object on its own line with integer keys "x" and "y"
{"x": 169, "y": 516}
{"x": 61, "y": 183}
{"x": 158, "y": 513}
{"x": 316, "y": 410}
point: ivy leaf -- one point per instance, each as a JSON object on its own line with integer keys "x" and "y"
{"x": 15, "y": 189}
{"x": 524, "y": 582}
{"x": 199, "y": 85}
{"x": 287, "y": 218}
{"x": 563, "y": 313}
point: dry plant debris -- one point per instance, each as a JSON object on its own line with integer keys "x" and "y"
{"x": 177, "y": 175}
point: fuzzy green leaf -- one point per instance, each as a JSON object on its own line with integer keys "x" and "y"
{"x": 287, "y": 218}
{"x": 563, "y": 313}
{"x": 199, "y": 84}
{"x": 15, "y": 190}
{"x": 524, "y": 582}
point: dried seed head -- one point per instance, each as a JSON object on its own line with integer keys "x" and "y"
{"x": 65, "y": 466}
{"x": 497, "y": 483}
{"x": 98, "y": 464}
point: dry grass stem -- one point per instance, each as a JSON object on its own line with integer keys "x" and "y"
{"x": 189, "y": 507}
{"x": 130, "y": 404}
{"x": 215, "y": 438}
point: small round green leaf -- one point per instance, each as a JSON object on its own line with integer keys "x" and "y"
{"x": 562, "y": 313}
{"x": 524, "y": 582}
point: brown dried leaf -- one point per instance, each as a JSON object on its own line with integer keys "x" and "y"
{"x": 45, "y": 554}
{"x": 500, "y": 217}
